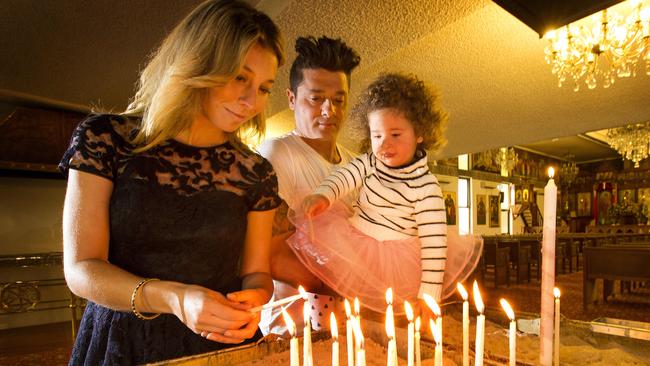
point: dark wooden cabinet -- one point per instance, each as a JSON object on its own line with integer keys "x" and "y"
{"x": 34, "y": 139}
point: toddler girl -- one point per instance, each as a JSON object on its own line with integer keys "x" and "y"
{"x": 397, "y": 235}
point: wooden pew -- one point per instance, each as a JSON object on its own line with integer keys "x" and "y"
{"x": 625, "y": 263}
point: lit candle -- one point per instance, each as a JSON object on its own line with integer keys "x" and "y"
{"x": 556, "y": 340}
{"x": 548, "y": 271}
{"x": 306, "y": 336}
{"x": 410, "y": 333}
{"x": 391, "y": 355}
{"x": 359, "y": 342}
{"x": 513, "y": 331}
{"x": 335, "y": 340}
{"x": 437, "y": 337}
{"x": 356, "y": 321}
{"x": 301, "y": 295}
{"x": 418, "y": 356}
{"x": 357, "y": 308}
{"x": 291, "y": 327}
{"x": 433, "y": 305}
{"x": 348, "y": 332}
{"x": 464, "y": 295}
{"x": 480, "y": 326}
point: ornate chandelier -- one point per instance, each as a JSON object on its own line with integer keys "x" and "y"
{"x": 569, "y": 170}
{"x": 506, "y": 158}
{"x": 601, "y": 46}
{"x": 631, "y": 141}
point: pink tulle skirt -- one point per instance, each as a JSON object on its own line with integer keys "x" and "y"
{"x": 356, "y": 265}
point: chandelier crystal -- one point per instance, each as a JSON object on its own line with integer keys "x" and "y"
{"x": 601, "y": 46}
{"x": 569, "y": 169}
{"x": 631, "y": 141}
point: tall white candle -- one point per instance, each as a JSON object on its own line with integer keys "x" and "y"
{"x": 418, "y": 355}
{"x": 356, "y": 321}
{"x": 335, "y": 339}
{"x": 306, "y": 336}
{"x": 433, "y": 305}
{"x": 464, "y": 295}
{"x": 348, "y": 333}
{"x": 410, "y": 329}
{"x": 556, "y": 340}
{"x": 293, "y": 344}
{"x": 437, "y": 337}
{"x": 391, "y": 354}
{"x": 548, "y": 271}
{"x": 359, "y": 343}
{"x": 480, "y": 326}
{"x": 512, "y": 336}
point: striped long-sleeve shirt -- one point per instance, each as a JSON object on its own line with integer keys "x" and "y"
{"x": 397, "y": 203}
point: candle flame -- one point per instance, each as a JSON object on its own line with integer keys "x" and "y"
{"x": 506, "y": 307}
{"x": 389, "y": 296}
{"x": 462, "y": 291}
{"x": 302, "y": 292}
{"x": 437, "y": 334}
{"x": 409, "y": 311}
{"x": 334, "y": 327}
{"x": 551, "y": 172}
{"x": 556, "y": 292}
{"x": 358, "y": 335}
{"x": 417, "y": 324}
{"x": 348, "y": 311}
{"x": 477, "y": 298}
{"x": 432, "y": 304}
{"x": 305, "y": 312}
{"x": 291, "y": 326}
{"x": 390, "y": 323}
{"x": 356, "y": 306}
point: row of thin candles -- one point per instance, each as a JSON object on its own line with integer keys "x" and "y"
{"x": 355, "y": 342}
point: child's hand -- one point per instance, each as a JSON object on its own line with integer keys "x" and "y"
{"x": 315, "y": 204}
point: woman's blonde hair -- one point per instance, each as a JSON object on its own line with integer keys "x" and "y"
{"x": 206, "y": 49}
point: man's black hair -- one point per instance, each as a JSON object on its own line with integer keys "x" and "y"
{"x": 322, "y": 53}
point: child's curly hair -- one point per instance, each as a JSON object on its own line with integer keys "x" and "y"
{"x": 409, "y": 96}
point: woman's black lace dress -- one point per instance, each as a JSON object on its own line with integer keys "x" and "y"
{"x": 177, "y": 213}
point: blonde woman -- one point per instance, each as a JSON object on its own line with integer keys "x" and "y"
{"x": 167, "y": 218}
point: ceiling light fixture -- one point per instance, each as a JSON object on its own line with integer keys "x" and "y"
{"x": 631, "y": 141}
{"x": 569, "y": 170}
{"x": 605, "y": 45}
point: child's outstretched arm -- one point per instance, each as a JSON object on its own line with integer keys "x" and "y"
{"x": 344, "y": 180}
{"x": 315, "y": 204}
{"x": 432, "y": 230}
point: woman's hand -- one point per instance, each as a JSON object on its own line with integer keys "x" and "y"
{"x": 315, "y": 204}
{"x": 212, "y": 315}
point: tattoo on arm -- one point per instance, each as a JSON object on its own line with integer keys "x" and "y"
{"x": 281, "y": 223}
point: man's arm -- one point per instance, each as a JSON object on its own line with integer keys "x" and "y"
{"x": 281, "y": 223}
{"x": 285, "y": 266}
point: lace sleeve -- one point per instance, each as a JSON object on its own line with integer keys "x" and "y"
{"x": 93, "y": 147}
{"x": 264, "y": 196}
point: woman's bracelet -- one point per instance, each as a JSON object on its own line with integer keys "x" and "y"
{"x": 133, "y": 296}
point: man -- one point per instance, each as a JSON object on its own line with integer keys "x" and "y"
{"x": 318, "y": 96}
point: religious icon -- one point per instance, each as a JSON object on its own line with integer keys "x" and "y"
{"x": 525, "y": 195}
{"x": 481, "y": 209}
{"x": 450, "y": 207}
{"x": 584, "y": 204}
{"x": 518, "y": 197}
{"x": 626, "y": 196}
{"x": 494, "y": 211}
